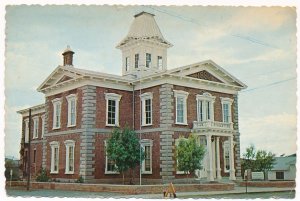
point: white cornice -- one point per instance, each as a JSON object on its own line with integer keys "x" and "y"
{"x": 34, "y": 110}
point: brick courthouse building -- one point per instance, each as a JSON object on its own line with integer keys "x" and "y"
{"x": 81, "y": 108}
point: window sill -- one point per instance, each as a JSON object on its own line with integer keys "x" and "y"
{"x": 56, "y": 128}
{"x": 69, "y": 172}
{"x": 147, "y": 172}
{"x": 147, "y": 124}
{"x": 108, "y": 172}
{"x": 180, "y": 173}
{"x": 112, "y": 125}
{"x": 53, "y": 172}
{"x": 69, "y": 126}
{"x": 183, "y": 124}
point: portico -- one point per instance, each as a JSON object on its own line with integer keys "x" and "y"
{"x": 209, "y": 134}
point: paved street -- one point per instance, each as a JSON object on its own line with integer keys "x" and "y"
{"x": 238, "y": 192}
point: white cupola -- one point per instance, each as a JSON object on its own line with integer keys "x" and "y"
{"x": 144, "y": 49}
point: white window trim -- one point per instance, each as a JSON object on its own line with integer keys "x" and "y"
{"x": 127, "y": 63}
{"x": 228, "y": 101}
{"x": 205, "y": 97}
{"x": 35, "y": 131}
{"x": 147, "y": 142}
{"x": 184, "y": 95}
{"x": 144, "y": 97}
{"x": 26, "y": 131}
{"x": 106, "y": 159}
{"x": 176, "y": 144}
{"x": 54, "y": 103}
{"x": 117, "y": 98}
{"x": 226, "y": 145}
{"x": 70, "y": 98}
{"x": 54, "y": 145}
{"x": 43, "y": 125}
{"x": 69, "y": 143}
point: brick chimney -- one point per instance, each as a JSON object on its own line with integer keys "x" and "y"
{"x": 68, "y": 56}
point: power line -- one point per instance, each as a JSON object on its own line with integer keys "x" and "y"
{"x": 269, "y": 85}
{"x": 248, "y": 38}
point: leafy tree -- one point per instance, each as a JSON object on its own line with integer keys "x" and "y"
{"x": 123, "y": 147}
{"x": 249, "y": 158}
{"x": 259, "y": 160}
{"x": 189, "y": 155}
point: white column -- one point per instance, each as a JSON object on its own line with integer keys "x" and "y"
{"x": 231, "y": 159}
{"x": 210, "y": 176}
{"x": 218, "y": 158}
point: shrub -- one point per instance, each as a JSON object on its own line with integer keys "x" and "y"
{"x": 79, "y": 180}
{"x": 42, "y": 176}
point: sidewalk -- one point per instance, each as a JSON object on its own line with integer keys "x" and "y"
{"x": 237, "y": 190}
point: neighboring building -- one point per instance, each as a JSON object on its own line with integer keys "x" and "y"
{"x": 69, "y": 131}
{"x": 283, "y": 169}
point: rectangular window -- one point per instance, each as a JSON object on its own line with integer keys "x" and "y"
{"x": 56, "y": 112}
{"x": 71, "y": 158}
{"x": 148, "y": 60}
{"x": 112, "y": 108}
{"x": 179, "y": 110}
{"x": 34, "y": 155}
{"x": 147, "y": 159}
{"x": 71, "y": 110}
{"x": 70, "y": 147}
{"x": 127, "y": 63}
{"x": 136, "y": 60}
{"x": 148, "y": 110}
{"x": 26, "y": 131}
{"x": 280, "y": 175}
{"x": 43, "y": 125}
{"x": 200, "y": 111}
{"x": 226, "y": 116}
{"x": 110, "y": 165}
{"x": 54, "y": 157}
{"x": 208, "y": 110}
{"x": 226, "y": 156}
{"x": 159, "y": 62}
{"x": 35, "y": 127}
{"x": 147, "y": 162}
{"x": 111, "y": 113}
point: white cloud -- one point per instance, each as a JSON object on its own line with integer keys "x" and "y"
{"x": 276, "y": 133}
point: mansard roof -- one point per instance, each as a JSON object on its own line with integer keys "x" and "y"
{"x": 144, "y": 27}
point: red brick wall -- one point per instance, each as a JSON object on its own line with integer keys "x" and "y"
{"x": 192, "y": 104}
{"x": 36, "y": 166}
{"x": 64, "y": 110}
{"x": 125, "y": 107}
{"x": 155, "y": 107}
{"x": 62, "y": 155}
{"x": 100, "y": 158}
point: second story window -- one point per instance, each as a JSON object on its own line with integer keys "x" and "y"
{"x": 26, "y": 131}
{"x": 226, "y": 109}
{"x": 127, "y": 63}
{"x": 148, "y": 60}
{"x": 35, "y": 127}
{"x": 205, "y": 107}
{"x": 43, "y": 125}
{"x": 71, "y": 109}
{"x": 159, "y": 62}
{"x": 112, "y": 109}
{"x": 56, "y": 112}
{"x": 136, "y": 60}
{"x": 181, "y": 106}
{"x": 146, "y": 99}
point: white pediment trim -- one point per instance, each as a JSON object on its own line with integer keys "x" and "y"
{"x": 212, "y": 68}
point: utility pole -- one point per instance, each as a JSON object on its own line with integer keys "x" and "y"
{"x": 28, "y": 161}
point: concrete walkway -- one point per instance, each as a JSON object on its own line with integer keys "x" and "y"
{"x": 237, "y": 190}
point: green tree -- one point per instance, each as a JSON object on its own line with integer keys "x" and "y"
{"x": 189, "y": 155}
{"x": 123, "y": 147}
{"x": 249, "y": 158}
{"x": 259, "y": 160}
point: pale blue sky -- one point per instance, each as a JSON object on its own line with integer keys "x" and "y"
{"x": 256, "y": 45}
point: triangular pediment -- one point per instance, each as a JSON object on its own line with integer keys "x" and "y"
{"x": 60, "y": 75}
{"x": 209, "y": 71}
{"x": 204, "y": 75}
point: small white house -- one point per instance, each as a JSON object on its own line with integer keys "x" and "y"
{"x": 284, "y": 168}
